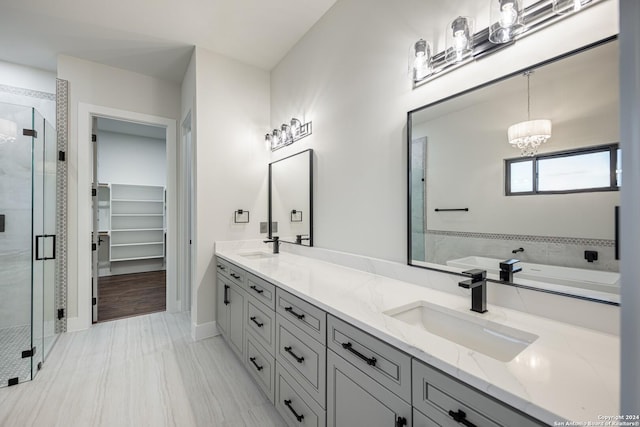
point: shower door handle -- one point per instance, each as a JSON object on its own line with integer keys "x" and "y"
{"x": 53, "y": 246}
{"x": 38, "y": 257}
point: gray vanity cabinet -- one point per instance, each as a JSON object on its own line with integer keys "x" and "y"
{"x": 356, "y": 400}
{"x": 230, "y": 313}
{"x": 444, "y": 401}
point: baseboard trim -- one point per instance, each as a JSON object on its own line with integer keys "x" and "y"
{"x": 75, "y": 324}
{"x": 204, "y": 330}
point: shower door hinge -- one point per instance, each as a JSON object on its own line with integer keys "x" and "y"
{"x": 30, "y": 132}
{"x": 94, "y": 137}
{"x": 94, "y": 247}
{"x": 13, "y": 381}
{"x": 29, "y": 353}
{"x": 60, "y": 313}
{"x": 62, "y": 156}
{"x": 94, "y": 192}
{"x": 94, "y": 301}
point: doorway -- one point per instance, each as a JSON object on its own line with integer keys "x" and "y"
{"x": 129, "y": 219}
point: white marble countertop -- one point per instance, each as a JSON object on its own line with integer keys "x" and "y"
{"x": 568, "y": 373}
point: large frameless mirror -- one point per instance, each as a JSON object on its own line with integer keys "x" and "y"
{"x": 291, "y": 198}
{"x": 521, "y": 177}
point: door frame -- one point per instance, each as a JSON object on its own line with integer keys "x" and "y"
{"x": 85, "y": 215}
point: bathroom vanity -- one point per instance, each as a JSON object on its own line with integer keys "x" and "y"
{"x": 337, "y": 346}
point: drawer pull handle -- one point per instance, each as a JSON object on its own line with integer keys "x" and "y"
{"x": 461, "y": 417}
{"x": 293, "y": 411}
{"x": 370, "y": 361}
{"x": 257, "y": 290}
{"x": 290, "y": 310}
{"x": 253, "y": 319}
{"x": 401, "y": 421}
{"x": 226, "y": 295}
{"x": 299, "y": 359}
{"x": 221, "y": 267}
{"x": 258, "y": 367}
{"x": 235, "y": 276}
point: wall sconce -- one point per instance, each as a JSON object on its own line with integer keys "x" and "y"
{"x": 509, "y": 21}
{"x": 459, "y": 40}
{"x": 288, "y": 134}
{"x": 241, "y": 216}
{"x": 296, "y": 216}
{"x": 8, "y": 131}
{"x": 506, "y": 20}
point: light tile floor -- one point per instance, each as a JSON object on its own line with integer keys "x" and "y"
{"x": 141, "y": 371}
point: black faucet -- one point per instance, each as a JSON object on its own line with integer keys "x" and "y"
{"x": 300, "y": 238}
{"x": 478, "y": 286}
{"x": 276, "y": 244}
{"x": 515, "y": 251}
{"x": 507, "y": 268}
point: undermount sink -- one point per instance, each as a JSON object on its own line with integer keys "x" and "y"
{"x": 256, "y": 255}
{"x": 484, "y": 336}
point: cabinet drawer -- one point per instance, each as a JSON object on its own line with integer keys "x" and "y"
{"x": 261, "y": 366}
{"x": 222, "y": 267}
{"x": 381, "y": 361}
{"x": 237, "y": 275}
{"x": 303, "y": 357}
{"x": 356, "y": 400}
{"x": 439, "y": 397}
{"x": 261, "y": 322}
{"x": 307, "y": 317}
{"x": 294, "y": 404}
{"x": 262, "y": 290}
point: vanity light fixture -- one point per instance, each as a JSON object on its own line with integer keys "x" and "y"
{"x": 509, "y": 21}
{"x": 530, "y": 134}
{"x": 8, "y": 131}
{"x": 459, "y": 39}
{"x": 288, "y": 134}
{"x": 506, "y": 20}
{"x": 420, "y": 60}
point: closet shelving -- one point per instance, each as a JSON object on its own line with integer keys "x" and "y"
{"x": 137, "y": 222}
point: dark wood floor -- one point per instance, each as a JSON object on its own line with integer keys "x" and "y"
{"x": 129, "y": 295}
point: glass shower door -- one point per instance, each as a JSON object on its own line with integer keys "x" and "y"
{"x": 16, "y": 185}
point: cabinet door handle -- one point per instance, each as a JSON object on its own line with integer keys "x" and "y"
{"x": 258, "y": 367}
{"x": 235, "y": 276}
{"x": 461, "y": 418}
{"x": 253, "y": 319}
{"x": 293, "y": 411}
{"x": 256, "y": 289}
{"x": 401, "y": 421}
{"x": 290, "y": 310}
{"x": 221, "y": 267}
{"x": 226, "y": 295}
{"x": 299, "y": 359}
{"x": 370, "y": 361}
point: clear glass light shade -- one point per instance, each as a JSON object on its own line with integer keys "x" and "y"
{"x": 295, "y": 127}
{"x": 563, "y": 7}
{"x": 529, "y": 135}
{"x": 420, "y": 60}
{"x": 459, "y": 39}
{"x": 286, "y": 133}
{"x": 8, "y": 130}
{"x": 506, "y": 20}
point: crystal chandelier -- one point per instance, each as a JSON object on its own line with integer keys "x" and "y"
{"x": 529, "y": 135}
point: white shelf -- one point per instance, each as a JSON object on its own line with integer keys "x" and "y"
{"x": 119, "y": 245}
{"x": 137, "y": 222}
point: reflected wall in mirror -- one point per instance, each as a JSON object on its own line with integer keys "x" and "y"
{"x": 474, "y": 201}
{"x": 291, "y": 198}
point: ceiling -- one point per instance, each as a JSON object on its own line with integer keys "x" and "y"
{"x": 153, "y": 37}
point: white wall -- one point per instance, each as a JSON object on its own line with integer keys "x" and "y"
{"x": 231, "y": 163}
{"x": 109, "y": 87}
{"x": 17, "y": 83}
{"x": 131, "y": 159}
{"x": 349, "y": 76}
